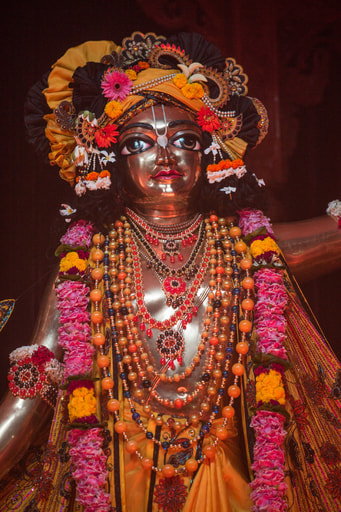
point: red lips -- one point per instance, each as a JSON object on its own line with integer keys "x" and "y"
{"x": 167, "y": 174}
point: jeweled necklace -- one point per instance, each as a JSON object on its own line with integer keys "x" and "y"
{"x": 173, "y": 285}
{"x": 184, "y": 313}
{"x": 172, "y": 239}
{"x": 128, "y": 351}
{"x": 187, "y": 270}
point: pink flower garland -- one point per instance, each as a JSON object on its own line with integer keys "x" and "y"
{"x": 269, "y": 317}
{"x": 87, "y": 456}
{"x": 79, "y": 234}
{"x": 268, "y": 487}
{"x": 89, "y": 471}
{"x": 251, "y": 220}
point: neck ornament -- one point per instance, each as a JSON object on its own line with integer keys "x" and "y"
{"x": 171, "y": 238}
{"x": 121, "y": 278}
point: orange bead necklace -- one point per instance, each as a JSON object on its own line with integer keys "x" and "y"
{"x": 118, "y": 281}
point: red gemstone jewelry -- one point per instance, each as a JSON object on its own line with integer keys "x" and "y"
{"x": 175, "y": 289}
{"x": 172, "y": 238}
{"x": 170, "y": 345}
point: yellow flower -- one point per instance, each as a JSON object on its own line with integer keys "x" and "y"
{"x": 180, "y": 80}
{"x": 269, "y": 386}
{"x": 82, "y": 402}
{"x": 80, "y": 392}
{"x": 113, "y": 109}
{"x": 81, "y": 265}
{"x": 72, "y": 260}
{"x": 72, "y": 256}
{"x": 191, "y": 91}
{"x": 259, "y": 247}
{"x": 131, "y": 74}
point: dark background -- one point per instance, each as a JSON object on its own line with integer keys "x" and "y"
{"x": 291, "y": 53}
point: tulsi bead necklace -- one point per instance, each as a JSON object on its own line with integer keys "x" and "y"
{"x": 224, "y": 285}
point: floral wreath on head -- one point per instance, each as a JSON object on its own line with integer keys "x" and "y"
{"x": 74, "y": 114}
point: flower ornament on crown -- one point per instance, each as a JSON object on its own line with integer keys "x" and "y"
{"x": 96, "y": 87}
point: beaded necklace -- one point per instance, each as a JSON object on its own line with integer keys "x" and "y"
{"x": 187, "y": 270}
{"x": 172, "y": 239}
{"x": 218, "y": 341}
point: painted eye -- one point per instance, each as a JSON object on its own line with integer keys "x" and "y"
{"x": 134, "y": 145}
{"x": 187, "y": 141}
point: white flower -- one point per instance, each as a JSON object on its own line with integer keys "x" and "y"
{"x": 80, "y": 188}
{"x": 240, "y": 171}
{"x": 188, "y": 70}
{"x": 214, "y": 147}
{"x": 91, "y": 185}
{"x": 260, "y": 181}
{"x": 54, "y": 370}
{"x": 219, "y": 175}
{"x": 104, "y": 183}
{"x": 22, "y": 352}
{"x": 334, "y": 208}
{"x": 89, "y": 117}
{"x": 228, "y": 190}
{"x": 66, "y": 210}
{"x": 80, "y": 156}
{"x": 107, "y": 157}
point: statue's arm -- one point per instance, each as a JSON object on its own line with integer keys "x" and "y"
{"x": 312, "y": 247}
{"x": 21, "y": 420}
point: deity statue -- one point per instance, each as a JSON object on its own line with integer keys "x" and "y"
{"x": 194, "y": 377}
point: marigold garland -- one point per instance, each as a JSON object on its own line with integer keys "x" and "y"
{"x": 180, "y": 80}
{"x": 225, "y": 168}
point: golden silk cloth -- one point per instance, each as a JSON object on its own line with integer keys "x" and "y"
{"x": 220, "y": 485}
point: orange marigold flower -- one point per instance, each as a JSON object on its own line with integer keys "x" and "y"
{"x": 237, "y": 163}
{"x": 113, "y": 109}
{"x": 131, "y": 74}
{"x": 92, "y": 176}
{"x": 192, "y": 91}
{"x": 212, "y": 168}
{"x": 224, "y": 164}
{"x": 208, "y": 120}
{"x": 180, "y": 80}
{"x": 143, "y": 64}
{"x": 106, "y": 136}
{"x": 104, "y": 174}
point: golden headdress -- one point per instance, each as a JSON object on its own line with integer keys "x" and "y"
{"x": 97, "y": 86}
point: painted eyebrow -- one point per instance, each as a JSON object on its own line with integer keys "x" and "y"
{"x": 148, "y": 126}
{"x": 136, "y": 125}
{"x": 183, "y": 121}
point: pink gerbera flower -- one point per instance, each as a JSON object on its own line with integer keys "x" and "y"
{"x": 116, "y": 85}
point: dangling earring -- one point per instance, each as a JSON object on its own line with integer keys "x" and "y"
{"x": 162, "y": 140}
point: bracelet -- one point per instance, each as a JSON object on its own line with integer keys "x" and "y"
{"x": 334, "y": 211}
